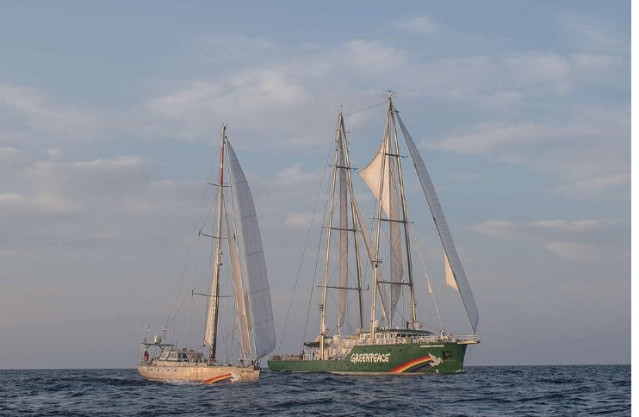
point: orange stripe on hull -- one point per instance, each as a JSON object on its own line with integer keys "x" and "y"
{"x": 410, "y": 364}
{"x": 217, "y": 379}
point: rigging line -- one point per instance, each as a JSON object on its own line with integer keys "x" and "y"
{"x": 177, "y": 305}
{"x": 320, "y": 238}
{"x": 299, "y": 269}
{"x": 364, "y": 109}
{"x": 432, "y": 293}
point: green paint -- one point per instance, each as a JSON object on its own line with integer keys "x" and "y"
{"x": 446, "y": 357}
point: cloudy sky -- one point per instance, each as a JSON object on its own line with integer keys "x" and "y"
{"x": 109, "y": 121}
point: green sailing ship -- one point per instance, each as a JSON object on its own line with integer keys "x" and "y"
{"x": 392, "y": 340}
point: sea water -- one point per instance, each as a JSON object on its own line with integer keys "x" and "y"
{"x": 479, "y": 391}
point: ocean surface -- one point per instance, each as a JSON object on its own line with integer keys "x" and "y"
{"x": 479, "y": 391}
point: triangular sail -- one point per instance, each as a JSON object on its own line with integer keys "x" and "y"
{"x": 448, "y": 272}
{"x": 442, "y": 228}
{"x": 241, "y": 297}
{"x": 371, "y": 176}
{"x": 250, "y": 243}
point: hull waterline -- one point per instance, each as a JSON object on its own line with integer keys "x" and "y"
{"x": 199, "y": 373}
{"x": 391, "y": 359}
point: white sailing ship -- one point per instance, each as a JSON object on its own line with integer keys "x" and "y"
{"x": 238, "y": 228}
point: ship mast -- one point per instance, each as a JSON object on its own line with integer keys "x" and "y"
{"x": 329, "y": 229}
{"x": 349, "y": 183}
{"x": 390, "y": 153}
{"x": 378, "y": 217}
{"x": 404, "y": 219}
{"x": 214, "y": 300}
{"x": 341, "y": 164}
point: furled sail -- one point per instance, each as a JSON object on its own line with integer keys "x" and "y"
{"x": 211, "y": 311}
{"x": 252, "y": 254}
{"x": 442, "y": 228}
{"x": 381, "y": 170}
{"x": 395, "y": 247}
{"x": 343, "y": 234}
{"x": 370, "y": 251}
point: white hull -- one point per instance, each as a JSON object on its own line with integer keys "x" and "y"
{"x": 199, "y": 372}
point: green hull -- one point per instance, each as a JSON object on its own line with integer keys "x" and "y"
{"x": 407, "y": 358}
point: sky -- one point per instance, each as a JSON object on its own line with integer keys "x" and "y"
{"x": 109, "y": 126}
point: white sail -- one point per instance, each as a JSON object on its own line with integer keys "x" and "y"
{"x": 371, "y": 176}
{"x": 252, "y": 252}
{"x": 448, "y": 272}
{"x": 381, "y": 170}
{"x": 241, "y": 297}
{"x": 442, "y": 228}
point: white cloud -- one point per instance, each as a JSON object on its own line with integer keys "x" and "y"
{"x": 588, "y": 152}
{"x": 252, "y": 100}
{"x": 541, "y": 229}
{"x": 594, "y": 33}
{"x": 295, "y": 175}
{"x": 595, "y": 64}
{"x": 548, "y": 70}
{"x": 494, "y": 138}
{"x": 370, "y": 58}
{"x": 422, "y": 24}
{"x": 33, "y": 111}
{"x": 8, "y": 152}
{"x": 577, "y": 240}
{"x": 577, "y": 251}
{"x": 10, "y": 198}
{"x": 55, "y": 153}
{"x": 57, "y": 186}
{"x": 298, "y": 220}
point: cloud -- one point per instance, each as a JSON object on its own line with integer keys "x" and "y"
{"x": 8, "y": 152}
{"x": 87, "y": 204}
{"x": 370, "y": 58}
{"x": 594, "y": 33}
{"x": 541, "y": 229}
{"x": 295, "y": 176}
{"x": 10, "y": 198}
{"x": 577, "y": 251}
{"x": 253, "y": 100}
{"x": 595, "y": 64}
{"x": 422, "y": 24}
{"x": 58, "y": 186}
{"x": 32, "y": 111}
{"x": 298, "y": 220}
{"x": 549, "y": 70}
{"x": 587, "y": 152}
{"x": 494, "y": 138}
{"x": 576, "y": 240}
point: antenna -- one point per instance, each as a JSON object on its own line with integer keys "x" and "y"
{"x": 146, "y": 331}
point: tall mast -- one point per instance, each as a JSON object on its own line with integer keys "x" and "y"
{"x": 214, "y": 300}
{"x": 328, "y": 250}
{"x": 347, "y": 167}
{"x": 400, "y": 178}
{"x": 378, "y": 217}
